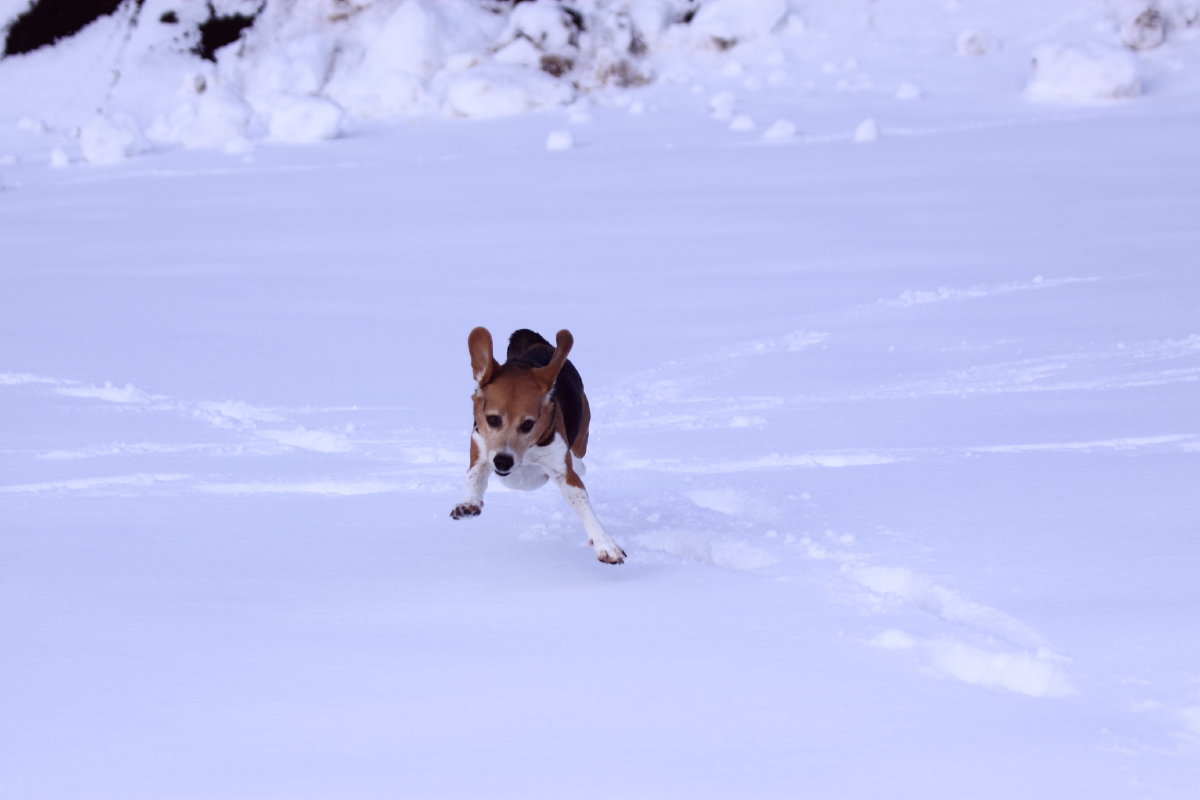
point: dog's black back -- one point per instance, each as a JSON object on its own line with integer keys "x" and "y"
{"x": 529, "y": 349}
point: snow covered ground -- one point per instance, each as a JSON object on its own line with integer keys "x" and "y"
{"x": 896, "y": 422}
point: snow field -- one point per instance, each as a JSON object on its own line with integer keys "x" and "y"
{"x": 900, "y": 439}
{"x": 875, "y": 500}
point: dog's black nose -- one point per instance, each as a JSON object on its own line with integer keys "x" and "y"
{"x": 503, "y": 462}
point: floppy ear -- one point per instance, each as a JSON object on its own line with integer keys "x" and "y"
{"x": 479, "y": 342}
{"x": 547, "y": 375}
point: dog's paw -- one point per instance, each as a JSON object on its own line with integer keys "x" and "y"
{"x": 609, "y": 553}
{"x": 464, "y": 510}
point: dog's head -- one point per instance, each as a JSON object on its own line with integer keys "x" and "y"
{"x": 513, "y": 402}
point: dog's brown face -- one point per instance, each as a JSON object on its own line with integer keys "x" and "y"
{"x": 513, "y": 409}
{"x": 512, "y": 413}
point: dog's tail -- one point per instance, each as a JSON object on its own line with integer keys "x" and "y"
{"x": 522, "y": 341}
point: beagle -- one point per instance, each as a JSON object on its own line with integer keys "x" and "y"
{"x": 531, "y": 424}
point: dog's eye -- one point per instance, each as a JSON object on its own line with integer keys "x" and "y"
{"x": 493, "y": 421}
{"x": 526, "y": 426}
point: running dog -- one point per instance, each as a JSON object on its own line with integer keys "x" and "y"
{"x": 531, "y": 425}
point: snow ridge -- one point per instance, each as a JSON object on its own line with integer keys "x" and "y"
{"x": 145, "y": 79}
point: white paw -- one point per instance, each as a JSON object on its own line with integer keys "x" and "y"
{"x": 608, "y": 552}
{"x": 464, "y": 510}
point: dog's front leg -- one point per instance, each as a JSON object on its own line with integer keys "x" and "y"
{"x": 576, "y": 495}
{"x": 477, "y": 478}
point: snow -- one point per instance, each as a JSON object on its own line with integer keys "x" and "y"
{"x": 867, "y": 130}
{"x": 781, "y": 130}
{"x": 560, "y": 140}
{"x": 900, "y": 439}
{"x": 501, "y": 91}
{"x": 742, "y": 123}
{"x": 209, "y": 117}
{"x": 974, "y": 43}
{"x": 306, "y": 119}
{"x": 736, "y": 20}
{"x": 109, "y": 138}
{"x": 1145, "y": 28}
{"x": 1064, "y": 74}
{"x": 1026, "y": 673}
{"x": 59, "y": 158}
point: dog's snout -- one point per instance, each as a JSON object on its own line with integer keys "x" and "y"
{"x": 503, "y": 461}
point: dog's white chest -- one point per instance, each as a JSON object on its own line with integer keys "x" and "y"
{"x": 538, "y": 466}
{"x": 525, "y": 478}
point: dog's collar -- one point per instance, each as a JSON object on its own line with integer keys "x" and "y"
{"x": 549, "y": 437}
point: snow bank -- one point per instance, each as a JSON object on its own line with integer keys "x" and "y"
{"x": 304, "y": 72}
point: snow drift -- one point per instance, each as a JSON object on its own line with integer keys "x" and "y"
{"x": 159, "y": 73}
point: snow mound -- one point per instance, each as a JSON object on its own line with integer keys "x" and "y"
{"x": 1070, "y": 75}
{"x": 209, "y": 117}
{"x": 110, "y": 138}
{"x": 306, "y": 119}
{"x": 500, "y": 90}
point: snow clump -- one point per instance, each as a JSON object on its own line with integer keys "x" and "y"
{"x": 1068, "y": 75}
{"x": 781, "y": 130}
{"x": 1145, "y": 27}
{"x": 211, "y": 116}
{"x": 867, "y": 130}
{"x": 722, "y": 105}
{"x": 974, "y": 43}
{"x": 560, "y": 140}
{"x": 110, "y": 138}
{"x": 306, "y": 119}
{"x": 500, "y": 90}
